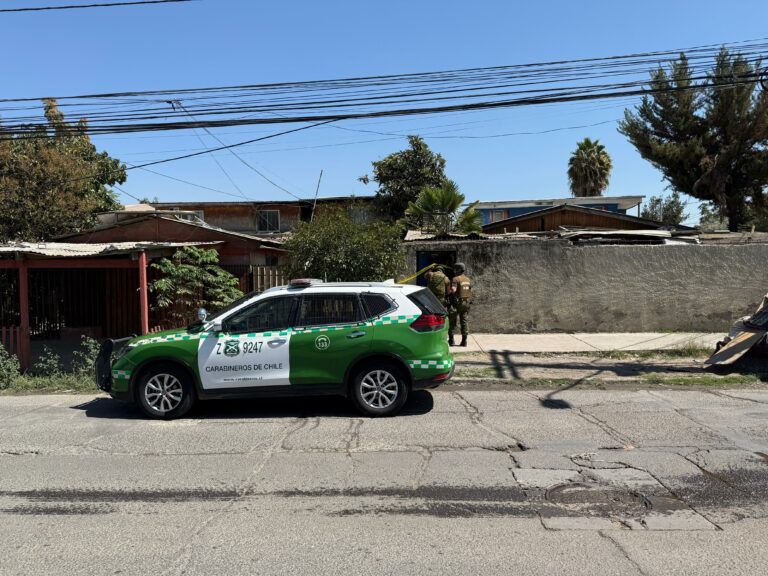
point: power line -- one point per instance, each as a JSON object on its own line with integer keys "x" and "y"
{"x": 207, "y": 151}
{"x": 448, "y": 91}
{"x": 231, "y": 151}
{"x": 103, "y": 5}
{"x": 213, "y": 156}
{"x": 227, "y": 147}
{"x": 115, "y": 186}
{"x": 182, "y": 181}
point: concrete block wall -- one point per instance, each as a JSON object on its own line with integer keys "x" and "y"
{"x": 535, "y": 286}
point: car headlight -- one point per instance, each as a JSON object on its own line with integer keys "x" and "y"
{"x": 122, "y": 351}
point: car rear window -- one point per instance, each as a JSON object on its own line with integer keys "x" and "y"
{"x": 427, "y": 302}
{"x": 377, "y": 304}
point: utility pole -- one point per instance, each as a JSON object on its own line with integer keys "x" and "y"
{"x": 317, "y": 191}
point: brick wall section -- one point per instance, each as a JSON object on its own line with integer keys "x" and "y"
{"x": 554, "y": 286}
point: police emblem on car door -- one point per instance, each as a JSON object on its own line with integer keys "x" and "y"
{"x": 252, "y": 349}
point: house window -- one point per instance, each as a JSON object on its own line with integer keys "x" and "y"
{"x": 269, "y": 221}
{"x": 270, "y": 260}
{"x": 499, "y": 215}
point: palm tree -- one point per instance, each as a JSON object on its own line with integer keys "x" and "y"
{"x": 589, "y": 169}
{"x": 437, "y": 209}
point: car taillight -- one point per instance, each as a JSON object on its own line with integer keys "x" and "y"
{"x": 428, "y": 323}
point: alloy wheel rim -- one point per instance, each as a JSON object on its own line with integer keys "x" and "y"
{"x": 379, "y": 389}
{"x": 163, "y": 392}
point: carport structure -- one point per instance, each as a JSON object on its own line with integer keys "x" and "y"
{"x": 62, "y": 290}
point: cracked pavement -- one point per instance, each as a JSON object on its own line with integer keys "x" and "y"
{"x": 534, "y": 481}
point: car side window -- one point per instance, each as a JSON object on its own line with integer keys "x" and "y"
{"x": 377, "y": 304}
{"x": 268, "y": 315}
{"x": 322, "y": 309}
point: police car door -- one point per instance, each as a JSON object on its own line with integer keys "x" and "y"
{"x": 252, "y": 349}
{"x": 330, "y": 333}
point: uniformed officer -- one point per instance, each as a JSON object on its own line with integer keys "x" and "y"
{"x": 438, "y": 284}
{"x": 460, "y": 298}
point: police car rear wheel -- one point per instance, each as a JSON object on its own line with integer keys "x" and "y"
{"x": 165, "y": 392}
{"x": 379, "y": 389}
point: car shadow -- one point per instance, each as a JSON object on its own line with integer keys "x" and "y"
{"x": 419, "y": 403}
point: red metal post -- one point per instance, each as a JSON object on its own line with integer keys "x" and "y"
{"x": 24, "y": 346}
{"x": 143, "y": 295}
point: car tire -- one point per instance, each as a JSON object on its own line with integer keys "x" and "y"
{"x": 379, "y": 388}
{"x": 165, "y": 392}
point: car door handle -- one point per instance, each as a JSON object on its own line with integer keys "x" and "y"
{"x": 274, "y": 343}
{"x": 358, "y": 334}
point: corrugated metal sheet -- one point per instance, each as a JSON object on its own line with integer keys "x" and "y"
{"x": 67, "y": 250}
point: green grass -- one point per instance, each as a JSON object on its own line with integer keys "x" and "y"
{"x": 705, "y": 380}
{"x": 66, "y": 382}
{"x": 478, "y": 372}
{"x": 666, "y": 354}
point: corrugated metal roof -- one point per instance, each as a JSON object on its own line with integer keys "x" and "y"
{"x": 67, "y": 250}
{"x": 420, "y": 235}
{"x": 174, "y": 216}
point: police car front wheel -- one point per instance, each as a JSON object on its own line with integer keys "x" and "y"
{"x": 379, "y": 389}
{"x": 165, "y": 392}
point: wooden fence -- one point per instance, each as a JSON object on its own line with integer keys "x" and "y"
{"x": 266, "y": 277}
{"x": 10, "y": 336}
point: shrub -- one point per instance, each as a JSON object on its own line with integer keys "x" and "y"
{"x": 48, "y": 364}
{"x": 189, "y": 280}
{"x": 9, "y": 368}
{"x": 84, "y": 358}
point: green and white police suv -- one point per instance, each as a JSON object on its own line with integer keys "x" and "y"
{"x": 372, "y": 342}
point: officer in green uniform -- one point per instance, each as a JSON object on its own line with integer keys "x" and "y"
{"x": 460, "y": 297}
{"x": 438, "y": 284}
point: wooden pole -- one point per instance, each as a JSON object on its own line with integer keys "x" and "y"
{"x": 143, "y": 293}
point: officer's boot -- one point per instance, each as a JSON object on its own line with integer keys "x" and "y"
{"x": 450, "y": 340}
{"x": 463, "y": 340}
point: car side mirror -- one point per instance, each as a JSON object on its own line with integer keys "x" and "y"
{"x": 215, "y": 326}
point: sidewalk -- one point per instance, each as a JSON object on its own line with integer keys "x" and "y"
{"x": 587, "y": 342}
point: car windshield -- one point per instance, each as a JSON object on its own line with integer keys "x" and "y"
{"x": 197, "y": 325}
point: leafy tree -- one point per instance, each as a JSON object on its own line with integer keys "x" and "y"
{"x": 334, "y": 248}
{"x": 437, "y": 209}
{"x": 708, "y": 140}
{"x": 670, "y": 210}
{"x": 401, "y": 176}
{"x": 710, "y": 218}
{"x": 53, "y": 181}
{"x": 189, "y": 280}
{"x": 589, "y": 169}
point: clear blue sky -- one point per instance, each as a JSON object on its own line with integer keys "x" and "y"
{"x": 226, "y": 42}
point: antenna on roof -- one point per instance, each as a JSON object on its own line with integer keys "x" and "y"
{"x": 317, "y": 191}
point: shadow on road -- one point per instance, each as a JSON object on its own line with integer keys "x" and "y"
{"x": 549, "y": 401}
{"x": 419, "y": 402}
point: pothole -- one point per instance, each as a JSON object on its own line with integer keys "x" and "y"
{"x": 595, "y": 500}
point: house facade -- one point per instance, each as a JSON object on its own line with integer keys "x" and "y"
{"x": 567, "y": 216}
{"x": 262, "y": 218}
{"x": 491, "y": 212}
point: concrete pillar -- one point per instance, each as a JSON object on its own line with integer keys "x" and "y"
{"x": 143, "y": 293}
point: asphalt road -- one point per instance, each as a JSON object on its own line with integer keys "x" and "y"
{"x": 515, "y": 482}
